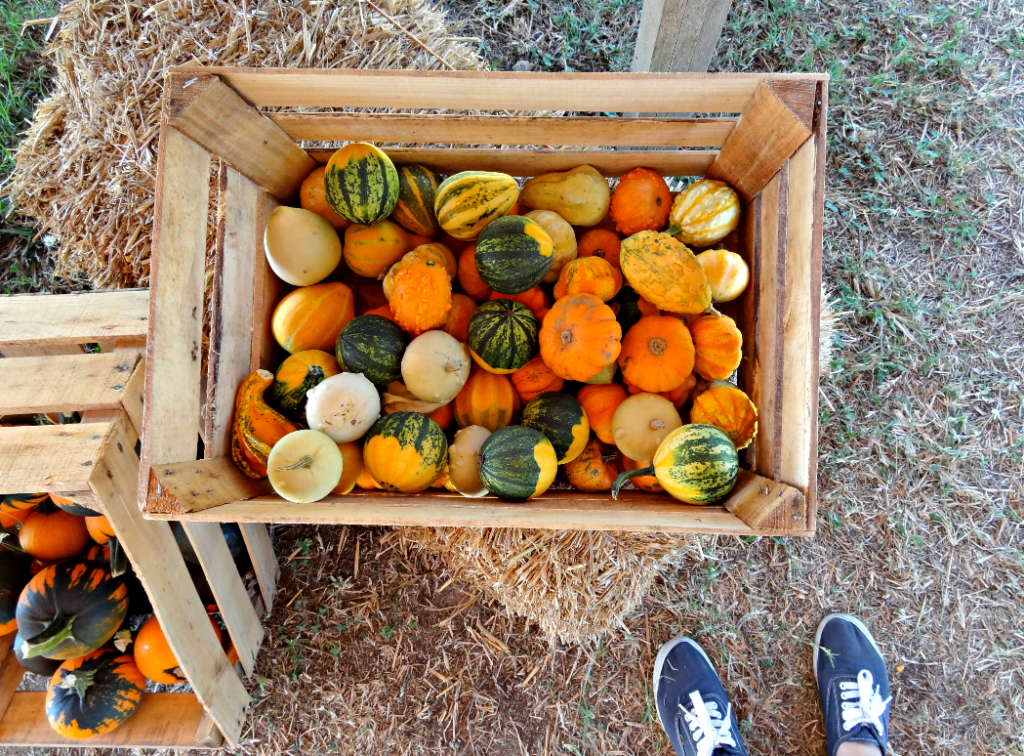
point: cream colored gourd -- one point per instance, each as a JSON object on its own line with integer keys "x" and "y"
{"x": 301, "y": 247}
{"x": 581, "y": 195}
{"x": 435, "y": 366}
{"x": 305, "y": 466}
{"x": 641, "y": 423}
{"x": 563, "y": 237}
{"x": 343, "y": 406}
{"x": 464, "y": 461}
{"x": 398, "y": 398}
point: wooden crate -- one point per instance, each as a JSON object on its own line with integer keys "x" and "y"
{"x": 764, "y": 134}
{"x": 95, "y": 463}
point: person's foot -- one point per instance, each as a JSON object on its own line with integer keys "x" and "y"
{"x": 852, "y": 683}
{"x": 692, "y": 704}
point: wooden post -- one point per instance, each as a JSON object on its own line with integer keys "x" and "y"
{"x": 679, "y": 35}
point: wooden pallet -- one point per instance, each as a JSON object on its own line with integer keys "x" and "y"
{"x": 95, "y": 463}
{"x": 764, "y": 134}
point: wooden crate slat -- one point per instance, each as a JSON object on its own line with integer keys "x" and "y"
{"x": 11, "y": 673}
{"x": 202, "y": 484}
{"x": 494, "y": 90}
{"x": 234, "y": 274}
{"x": 49, "y": 320}
{"x": 134, "y": 396}
{"x": 163, "y": 720}
{"x": 65, "y": 383}
{"x": 53, "y": 458}
{"x": 264, "y": 560}
{"x": 534, "y": 162}
{"x": 41, "y": 350}
{"x": 766, "y": 136}
{"x": 455, "y": 129}
{"x": 232, "y": 599}
{"x": 173, "y": 356}
{"x": 678, "y": 35}
{"x": 267, "y": 291}
{"x": 212, "y": 114}
{"x": 176, "y": 603}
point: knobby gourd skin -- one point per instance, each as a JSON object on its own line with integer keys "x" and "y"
{"x": 361, "y": 183}
{"x": 421, "y": 297}
{"x": 502, "y": 336}
{"x": 434, "y": 252}
{"x": 467, "y": 202}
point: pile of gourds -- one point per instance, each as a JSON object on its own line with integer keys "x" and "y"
{"x": 561, "y": 323}
{"x": 66, "y": 592}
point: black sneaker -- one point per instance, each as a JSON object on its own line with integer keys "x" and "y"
{"x": 852, "y": 683}
{"x": 692, "y": 704}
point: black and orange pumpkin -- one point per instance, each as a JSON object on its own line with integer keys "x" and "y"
{"x": 70, "y": 609}
{"x": 14, "y": 574}
{"x": 15, "y": 507}
{"x": 93, "y": 694}
{"x": 72, "y": 507}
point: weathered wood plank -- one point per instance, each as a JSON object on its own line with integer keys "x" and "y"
{"x": 51, "y": 320}
{"x": 264, "y": 560}
{"x": 196, "y": 485}
{"x": 267, "y": 291}
{"x": 212, "y": 114}
{"x": 67, "y": 383}
{"x": 679, "y": 35}
{"x": 11, "y": 673}
{"x": 53, "y": 458}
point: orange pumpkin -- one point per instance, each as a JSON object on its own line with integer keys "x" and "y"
{"x": 312, "y": 317}
{"x": 719, "y": 346}
{"x": 488, "y": 400}
{"x": 312, "y": 197}
{"x": 640, "y": 202}
{"x": 600, "y": 242}
{"x": 589, "y": 275}
{"x": 100, "y": 529}
{"x": 469, "y": 278}
{"x": 256, "y": 427}
{"x": 600, "y": 403}
{"x": 384, "y": 311}
{"x": 365, "y": 481}
{"x": 592, "y": 470}
{"x": 443, "y": 415}
{"x": 657, "y": 353}
{"x": 421, "y": 297}
{"x": 49, "y": 533}
{"x": 729, "y": 409}
{"x": 457, "y": 322}
{"x": 15, "y": 507}
{"x": 647, "y": 483}
{"x": 580, "y": 337}
{"x": 677, "y": 396}
{"x": 153, "y": 654}
{"x": 534, "y": 378}
{"x": 534, "y": 298}
{"x": 370, "y": 250}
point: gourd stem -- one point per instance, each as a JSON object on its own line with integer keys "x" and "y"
{"x": 672, "y": 230}
{"x": 657, "y": 424}
{"x": 620, "y": 481}
{"x": 657, "y": 346}
{"x": 306, "y": 461}
{"x": 55, "y": 633}
{"x": 79, "y": 681}
{"x": 452, "y": 366}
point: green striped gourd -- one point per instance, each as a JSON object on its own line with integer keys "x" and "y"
{"x": 517, "y": 463}
{"x": 514, "y": 254}
{"x": 361, "y": 183}
{"x": 560, "y": 417}
{"x": 297, "y": 375}
{"x": 417, "y": 190}
{"x": 372, "y": 345}
{"x": 405, "y": 452}
{"x": 502, "y": 335}
{"x": 466, "y": 202}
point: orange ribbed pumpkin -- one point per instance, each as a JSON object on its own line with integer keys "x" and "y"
{"x": 312, "y": 317}
{"x": 657, "y": 353}
{"x": 457, "y": 322}
{"x": 579, "y": 337}
{"x": 534, "y": 378}
{"x": 600, "y": 242}
{"x": 593, "y": 470}
{"x": 600, "y": 403}
{"x": 640, "y": 202}
{"x": 488, "y": 400}
{"x": 728, "y": 409}
{"x": 534, "y": 298}
{"x": 719, "y": 346}
{"x": 589, "y": 275}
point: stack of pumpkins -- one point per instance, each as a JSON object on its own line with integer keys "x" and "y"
{"x": 66, "y": 592}
{"x": 558, "y": 324}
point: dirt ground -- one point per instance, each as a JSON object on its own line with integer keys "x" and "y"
{"x": 375, "y": 650}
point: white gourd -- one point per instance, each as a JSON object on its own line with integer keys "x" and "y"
{"x": 435, "y": 367}
{"x": 343, "y": 406}
{"x": 304, "y": 466}
{"x": 464, "y": 461}
{"x": 302, "y": 248}
{"x": 641, "y": 423}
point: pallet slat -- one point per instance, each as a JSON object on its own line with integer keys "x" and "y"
{"x": 202, "y": 484}
{"x": 48, "y": 321}
{"x": 52, "y": 458}
{"x": 65, "y": 383}
{"x": 264, "y": 560}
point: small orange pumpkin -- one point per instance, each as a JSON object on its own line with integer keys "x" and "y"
{"x": 488, "y": 400}
{"x": 640, "y": 202}
{"x": 727, "y": 272}
{"x": 312, "y": 197}
{"x": 600, "y": 242}
{"x": 384, "y": 311}
{"x": 535, "y": 378}
{"x": 589, "y": 275}
{"x": 719, "y": 346}
{"x": 153, "y": 654}
{"x": 580, "y": 337}
{"x": 729, "y": 409}
{"x": 677, "y": 396}
{"x": 457, "y": 322}
{"x": 49, "y": 533}
{"x": 469, "y": 278}
{"x": 443, "y": 415}
{"x": 600, "y": 402}
{"x": 534, "y": 298}
{"x": 370, "y": 250}
{"x": 657, "y": 353}
{"x": 647, "y": 483}
{"x": 593, "y": 470}
{"x": 365, "y": 481}
{"x": 311, "y": 317}
{"x": 421, "y": 296}
{"x": 100, "y": 529}
{"x": 705, "y": 212}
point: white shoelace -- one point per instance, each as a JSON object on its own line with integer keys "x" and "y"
{"x": 709, "y": 728}
{"x": 863, "y": 704}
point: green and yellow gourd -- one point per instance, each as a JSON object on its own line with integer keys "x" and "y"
{"x": 517, "y": 463}
{"x": 502, "y": 335}
{"x": 467, "y": 202}
{"x": 561, "y": 418}
{"x": 696, "y": 464}
{"x": 297, "y": 375}
{"x": 372, "y": 345}
{"x": 417, "y": 190}
{"x": 513, "y": 254}
{"x": 405, "y": 452}
{"x": 361, "y": 183}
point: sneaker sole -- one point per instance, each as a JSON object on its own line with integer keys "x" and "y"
{"x": 659, "y": 662}
{"x": 853, "y": 621}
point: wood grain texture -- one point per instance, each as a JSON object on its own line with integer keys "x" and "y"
{"x": 51, "y": 320}
{"x": 41, "y": 350}
{"x": 765, "y": 137}
{"x": 232, "y": 599}
{"x": 152, "y": 550}
{"x": 134, "y": 396}
{"x": 53, "y": 458}
{"x": 234, "y": 273}
{"x": 502, "y": 130}
{"x": 66, "y": 383}
{"x": 163, "y": 720}
{"x": 212, "y": 114}
{"x": 754, "y": 499}
{"x": 11, "y": 673}
{"x": 267, "y": 291}
{"x": 679, "y": 35}
{"x": 494, "y": 90}
{"x": 173, "y": 357}
{"x": 264, "y": 560}
{"x": 197, "y": 485}
{"x": 534, "y": 162}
